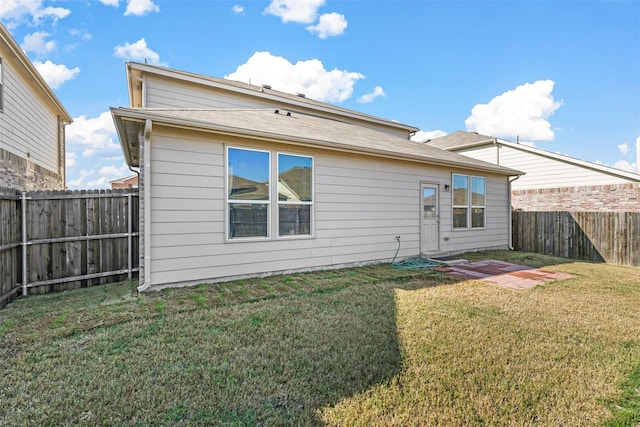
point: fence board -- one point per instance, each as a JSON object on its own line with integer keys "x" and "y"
{"x": 592, "y": 236}
{"x": 10, "y": 251}
{"x": 74, "y": 239}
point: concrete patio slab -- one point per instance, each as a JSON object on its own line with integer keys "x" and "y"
{"x": 504, "y": 274}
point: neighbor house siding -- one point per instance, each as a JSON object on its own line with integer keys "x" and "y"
{"x": 360, "y": 204}
{"x": 541, "y": 171}
{"x": 28, "y": 128}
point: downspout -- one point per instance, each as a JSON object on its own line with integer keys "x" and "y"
{"x": 145, "y": 188}
{"x": 511, "y": 214}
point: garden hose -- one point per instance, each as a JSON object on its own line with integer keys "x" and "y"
{"x": 415, "y": 263}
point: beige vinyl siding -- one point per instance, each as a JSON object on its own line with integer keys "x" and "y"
{"x": 170, "y": 93}
{"x": 360, "y": 205}
{"x": 27, "y": 127}
{"x": 541, "y": 171}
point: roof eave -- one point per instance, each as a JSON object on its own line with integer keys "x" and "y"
{"x": 183, "y": 123}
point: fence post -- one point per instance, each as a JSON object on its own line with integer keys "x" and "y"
{"x": 129, "y": 237}
{"x": 23, "y": 201}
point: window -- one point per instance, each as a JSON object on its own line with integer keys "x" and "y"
{"x": 295, "y": 195}
{"x": 249, "y": 194}
{"x": 248, "y": 201}
{"x": 469, "y": 199}
{"x": 477, "y": 202}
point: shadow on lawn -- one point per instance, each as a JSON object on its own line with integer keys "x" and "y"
{"x": 292, "y": 358}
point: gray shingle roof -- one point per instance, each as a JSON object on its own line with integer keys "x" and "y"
{"x": 296, "y": 128}
{"x": 459, "y": 140}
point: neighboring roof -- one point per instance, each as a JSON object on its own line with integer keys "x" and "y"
{"x": 280, "y": 99}
{"x": 460, "y": 140}
{"x": 123, "y": 180}
{"x": 19, "y": 56}
{"x": 299, "y": 129}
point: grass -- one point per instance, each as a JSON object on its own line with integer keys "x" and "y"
{"x": 354, "y": 347}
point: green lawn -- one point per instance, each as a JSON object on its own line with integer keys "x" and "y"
{"x": 355, "y": 347}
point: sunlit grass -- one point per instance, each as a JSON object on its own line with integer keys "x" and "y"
{"x": 366, "y": 346}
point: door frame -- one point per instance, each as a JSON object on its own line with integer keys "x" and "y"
{"x": 436, "y": 186}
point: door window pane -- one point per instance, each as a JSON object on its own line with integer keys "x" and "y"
{"x": 429, "y": 203}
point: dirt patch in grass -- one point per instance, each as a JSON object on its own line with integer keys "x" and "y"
{"x": 365, "y": 346}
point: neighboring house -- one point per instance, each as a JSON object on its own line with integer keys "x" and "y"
{"x": 230, "y": 192}
{"x": 553, "y": 182}
{"x": 124, "y": 183}
{"x": 32, "y": 124}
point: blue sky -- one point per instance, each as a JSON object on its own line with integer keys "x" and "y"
{"x": 563, "y": 75}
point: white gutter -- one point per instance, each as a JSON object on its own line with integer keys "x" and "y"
{"x": 146, "y": 210}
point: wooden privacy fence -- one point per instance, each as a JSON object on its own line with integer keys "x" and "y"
{"x": 59, "y": 240}
{"x": 592, "y": 236}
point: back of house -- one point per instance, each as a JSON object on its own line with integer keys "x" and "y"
{"x": 239, "y": 180}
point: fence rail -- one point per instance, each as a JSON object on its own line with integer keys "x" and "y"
{"x": 60, "y": 240}
{"x": 612, "y": 237}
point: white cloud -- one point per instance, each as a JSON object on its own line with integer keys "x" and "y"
{"x": 16, "y": 11}
{"x": 424, "y": 136}
{"x": 36, "y": 42}
{"x": 623, "y": 148}
{"x": 114, "y": 3}
{"x": 626, "y": 166}
{"x": 302, "y": 11}
{"x": 521, "y": 112}
{"x": 237, "y": 9}
{"x": 93, "y": 137}
{"x": 107, "y": 173}
{"x": 137, "y": 51}
{"x": 308, "y": 77}
{"x": 371, "y": 96}
{"x": 329, "y": 24}
{"x": 71, "y": 161}
{"x": 140, "y": 7}
{"x": 81, "y": 34}
{"x": 55, "y": 74}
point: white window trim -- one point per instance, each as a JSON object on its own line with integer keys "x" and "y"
{"x": 228, "y": 201}
{"x": 469, "y": 206}
{"x": 311, "y": 203}
{"x": 273, "y": 203}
